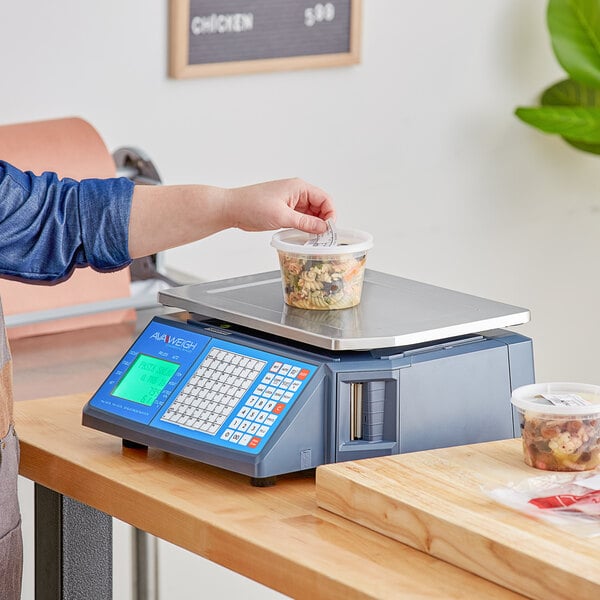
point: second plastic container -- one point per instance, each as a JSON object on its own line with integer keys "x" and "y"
{"x": 560, "y": 425}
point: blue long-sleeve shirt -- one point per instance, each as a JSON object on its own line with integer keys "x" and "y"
{"x": 50, "y": 226}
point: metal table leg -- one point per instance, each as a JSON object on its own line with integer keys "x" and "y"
{"x": 73, "y": 549}
{"x": 145, "y": 566}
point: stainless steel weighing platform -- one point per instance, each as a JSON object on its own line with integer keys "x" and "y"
{"x": 393, "y": 311}
{"x": 244, "y": 382}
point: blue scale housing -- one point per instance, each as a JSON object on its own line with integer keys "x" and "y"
{"x": 263, "y": 406}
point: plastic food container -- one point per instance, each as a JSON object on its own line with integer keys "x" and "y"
{"x": 322, "y": 277}
{"x": 560, "y": 425}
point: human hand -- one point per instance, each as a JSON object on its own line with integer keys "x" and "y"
{"x": 279, "y": 204}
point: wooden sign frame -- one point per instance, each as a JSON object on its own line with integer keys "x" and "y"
{"x": 179, "y": 46}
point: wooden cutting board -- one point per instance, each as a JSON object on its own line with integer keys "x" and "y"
{"x": 433, "y": 501}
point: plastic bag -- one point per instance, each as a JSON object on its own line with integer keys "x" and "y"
{"x": 570, "y": 501}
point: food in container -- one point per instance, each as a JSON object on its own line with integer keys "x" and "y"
{"x": 322, "y": 277}
{"x": 560, "y": 425}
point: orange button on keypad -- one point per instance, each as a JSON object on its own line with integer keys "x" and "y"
{"x": 303, "y": 374}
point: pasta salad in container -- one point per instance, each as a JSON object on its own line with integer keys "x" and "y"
{"x": 560, "y": 425}
{"x": 322, "y": 277}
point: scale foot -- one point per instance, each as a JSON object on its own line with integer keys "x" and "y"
{"x": 135, "y": 445}
{"x": 263, "y": 481}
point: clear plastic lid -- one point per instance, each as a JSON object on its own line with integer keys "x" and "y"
{"x": 560, "y": 398}
{"x": 349, "y": 241}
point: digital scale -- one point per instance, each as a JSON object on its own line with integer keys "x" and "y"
{"x": 244, "y": 382}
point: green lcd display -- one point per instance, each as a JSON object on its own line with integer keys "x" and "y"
{"x": 145, "y": 379}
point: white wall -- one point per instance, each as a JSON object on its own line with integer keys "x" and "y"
{"x": 418, "y": 145}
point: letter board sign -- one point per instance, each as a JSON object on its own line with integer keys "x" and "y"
{"x": 221, "y": 37}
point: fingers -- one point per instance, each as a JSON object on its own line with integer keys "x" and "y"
{"x": 313, "y": 200}
{"x": 306, "y": 223}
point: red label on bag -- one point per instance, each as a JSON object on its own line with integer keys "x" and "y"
{"x": 567, "y": 500}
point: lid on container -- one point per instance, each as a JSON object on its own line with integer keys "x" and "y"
{"x": 294, "y": 241}
{"x": 560, "y": 399}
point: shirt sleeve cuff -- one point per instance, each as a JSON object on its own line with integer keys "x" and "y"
{"x": 104, "y": 209}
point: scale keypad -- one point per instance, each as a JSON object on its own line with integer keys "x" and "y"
{"x": 254, "y": 419}
{"x": 213, "y": 391}
{"x": 237, "y": 399}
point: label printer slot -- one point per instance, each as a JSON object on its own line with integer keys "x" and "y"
{"x": 367, "y": 403}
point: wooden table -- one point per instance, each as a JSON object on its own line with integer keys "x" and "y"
{"x": 435, "y": 501}
{"x": 277, "y": 536}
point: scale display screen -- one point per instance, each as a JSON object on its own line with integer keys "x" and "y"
{"x": 145, "y": 379}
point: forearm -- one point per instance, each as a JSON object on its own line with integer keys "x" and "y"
{"x": 163, "y": 217}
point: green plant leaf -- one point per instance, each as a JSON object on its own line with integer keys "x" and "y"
{"x": 571, "y": 93}
{"x": 592, "y": 148}
{"x": 575, "y": 32}
{"x": 576, "y": 123}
